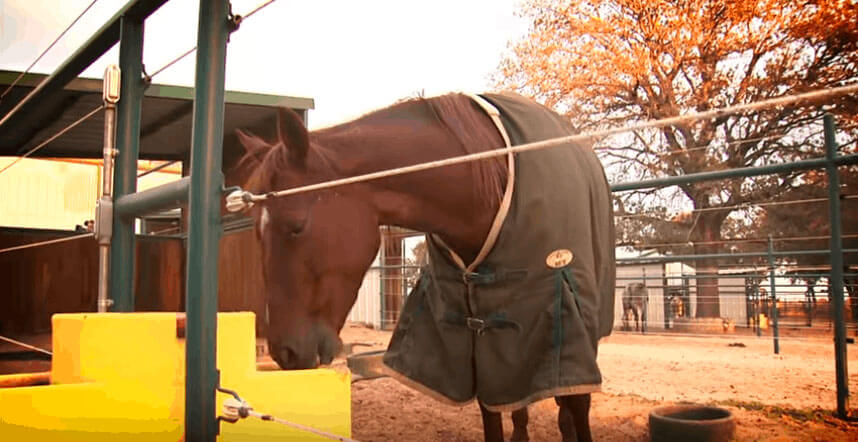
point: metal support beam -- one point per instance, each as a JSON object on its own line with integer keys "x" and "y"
{"x": 774, "y": 296}
{"x": 129, "y": 110}
{"x": 167, "y": 196}
{"x": 201, "y": 377}
{"x": 672, "y": 258}
{"x": 836, "y": 278}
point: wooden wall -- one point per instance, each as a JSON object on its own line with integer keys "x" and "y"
{"x": 63, "y": 277}
{"x": 240, "y": 283}
{"x": 38, "y": 282}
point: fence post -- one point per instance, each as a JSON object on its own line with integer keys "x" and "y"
{"x": 774, "y": 296}
{"x": 645, "y": 303}
{"x": 382, "y": 273}
{"x": 204, "y": 227}
{"x": 128, "y": 112}
{"x": 836, "y": 277}
{"x": 758, "y": 308}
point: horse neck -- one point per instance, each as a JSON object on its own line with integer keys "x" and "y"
{"x": 441, "y": 201}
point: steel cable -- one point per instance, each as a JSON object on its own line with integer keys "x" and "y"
{"x": 56, "y": 40}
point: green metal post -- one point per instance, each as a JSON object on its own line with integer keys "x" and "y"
{"x": 645, "y": 303}
{"x": 774, "y": 297}
{"x": 836, "y": 278}
{"x": 204, "y": 228}
{"x": 128, "y": 113}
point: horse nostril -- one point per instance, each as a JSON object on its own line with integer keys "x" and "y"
{"x": 285, "y": 357}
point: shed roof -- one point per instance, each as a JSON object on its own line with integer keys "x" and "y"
{"x": 165, "y": 123}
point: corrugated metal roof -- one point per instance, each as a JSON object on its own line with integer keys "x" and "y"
{"x": 165, "y": 123}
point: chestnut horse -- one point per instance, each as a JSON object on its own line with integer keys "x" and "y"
{"x": 317, "y": 246}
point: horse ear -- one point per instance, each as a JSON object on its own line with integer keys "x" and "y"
{"x": 252, "y": 144}
{"x": 293, "y": 135}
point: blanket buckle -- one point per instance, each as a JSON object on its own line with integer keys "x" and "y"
{"x": 476, "y": 324}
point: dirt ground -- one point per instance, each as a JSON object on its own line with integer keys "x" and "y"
{"x": 785, "y": 397}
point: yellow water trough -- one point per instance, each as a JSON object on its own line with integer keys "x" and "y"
{"x": 121, "y": 376}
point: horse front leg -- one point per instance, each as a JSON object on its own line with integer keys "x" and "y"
{"x": 637, "y": 320}
{"x": 519, "y": 425}
{"x": 492, "y": 425}
{"x": 574, "y": 417}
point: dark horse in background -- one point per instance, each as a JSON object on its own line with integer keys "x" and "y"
{"x": 317, "y": 246}
{"x": 634, "y": 305}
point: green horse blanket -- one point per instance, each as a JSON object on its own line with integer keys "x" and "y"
{"x": 524, "y": 324}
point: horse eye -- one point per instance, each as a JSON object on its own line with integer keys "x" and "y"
{"x": 295, "y": 227}
{"x": 288, "y": 222}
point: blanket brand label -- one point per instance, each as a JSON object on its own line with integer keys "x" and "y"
{"x": 559, "y": 258}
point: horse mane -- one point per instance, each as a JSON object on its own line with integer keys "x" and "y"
{"x": 456, "y": 113}
{"x": 466, "y": 122}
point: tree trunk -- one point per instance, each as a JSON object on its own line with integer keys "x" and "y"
{"x": 708, "y": 229}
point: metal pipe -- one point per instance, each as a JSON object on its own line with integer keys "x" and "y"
{"x": 645, "y": 303}
{"x": 835, "y": 294}
{"x": 774, "y": 295}
{"x": 129, "y": 111}
{"x": 111, "y": 88}
{"x": 723, "y": 276}
{"x": 163, "y": 197}
{"x": 157, "y": 168}
{"x": 771, "y": 169}
{"x": 672, "y": 258}
{"x": 201, "y": 378}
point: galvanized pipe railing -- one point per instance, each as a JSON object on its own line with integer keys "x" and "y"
{"x": 705, "y": 256}
{"x": 814, "y": 163}
{"x": 164, "y": 197}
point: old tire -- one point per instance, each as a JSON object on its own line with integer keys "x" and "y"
{"x": 689, "y": 422}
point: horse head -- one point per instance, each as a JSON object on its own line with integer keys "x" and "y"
{"x": 315, "y": 246}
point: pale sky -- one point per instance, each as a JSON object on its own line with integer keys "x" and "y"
{"x": 350, "y": 56}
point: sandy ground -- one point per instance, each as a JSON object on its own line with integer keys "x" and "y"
{"x": 785, "y": 397}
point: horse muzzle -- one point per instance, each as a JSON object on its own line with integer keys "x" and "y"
{"x": 319, "y": 347}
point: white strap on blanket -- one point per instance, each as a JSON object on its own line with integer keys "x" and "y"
{"x": 503, "y": 209}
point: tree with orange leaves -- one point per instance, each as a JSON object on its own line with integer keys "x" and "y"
{"x": 615, "y": 62}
